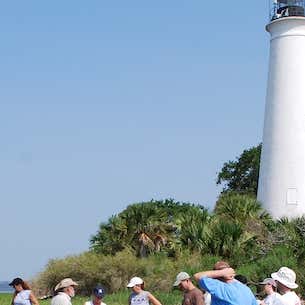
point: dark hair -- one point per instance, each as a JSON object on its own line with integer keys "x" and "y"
{"x": 241, "y": 278}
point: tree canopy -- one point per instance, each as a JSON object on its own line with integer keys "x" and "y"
{"x": 241, "y": 175}
{"x": 146, "y": 227}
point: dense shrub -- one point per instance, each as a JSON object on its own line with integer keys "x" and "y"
{"x": 238, "y": 231}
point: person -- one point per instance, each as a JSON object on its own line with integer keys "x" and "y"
{"x": 98, "y": 294}
{"x": 64, "y": 291}
{"x": 139, "y": 296}
{"x": 285, "y": 279}
{"x": 224, "y": 289}
{"x": 192, "y": 295}
{"x": 23, "y": 294}
{"x": 269, "y": 288}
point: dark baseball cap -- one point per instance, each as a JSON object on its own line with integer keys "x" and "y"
{"x": 99, "y": 291}
{"x": 16, "y": 281}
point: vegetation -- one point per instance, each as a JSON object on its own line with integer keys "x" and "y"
{"x": 148, "y": 227}
{"x": 193, "y": 239}
{"x": 119, "y": 298}
{"x": 157, "y": 239}
{"x": 241, "y": 175}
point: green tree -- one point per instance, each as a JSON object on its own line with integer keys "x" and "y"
{"x": 193, "y": 227}
{"x": 245, "y": 212}
{"x": 240, "y": 208}
{"x": 241, "y": 175}
{"x": 146, "y": 227}
{"x": 290, "y": 233}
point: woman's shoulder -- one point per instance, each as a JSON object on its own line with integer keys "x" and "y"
{"x": 25, "y": 292}
{"x": 143, "y": 292}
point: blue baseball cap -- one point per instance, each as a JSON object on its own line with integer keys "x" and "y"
{"x": 99, "y": 291}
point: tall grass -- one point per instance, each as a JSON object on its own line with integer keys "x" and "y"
{"x": 119, "y": 298}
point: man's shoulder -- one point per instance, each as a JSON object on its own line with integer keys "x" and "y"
{"x": 60, "y": 297}
{"x": 194, "y": 291}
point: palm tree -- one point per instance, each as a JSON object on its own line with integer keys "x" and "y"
{"x": 148, "y": 227}
{"x": 245, "y": 215}
{"x": 193, "y": 226}
{"x": 228, "y": 239}
{"x": 153, "y": 226}
{"x": 111, "y": 236}
{"x": 239, "y": 207}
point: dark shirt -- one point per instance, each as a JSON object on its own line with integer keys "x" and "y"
{"x": 193, "y": 297}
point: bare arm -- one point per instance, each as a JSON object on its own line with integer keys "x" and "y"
{"x": 227, "y": 273}
{"x": 153, "y": 300}
{"x": 33, "y": 299}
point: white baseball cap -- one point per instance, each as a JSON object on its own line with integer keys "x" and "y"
{"x": 181, "y": 277}
{"x": 135, "y": 281}
{"x": 268, "y": 281}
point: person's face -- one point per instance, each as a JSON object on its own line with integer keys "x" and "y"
{"x": 268, "y": 288}
{"x": 183, "y": 285}
{"x": 18, "y": 287}
{"x": 96, "y": 299}
{"x": 136, "y": 288}
{"x": 70, "y": 291}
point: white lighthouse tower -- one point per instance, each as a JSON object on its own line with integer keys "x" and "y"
{"x": 281, "y": 186}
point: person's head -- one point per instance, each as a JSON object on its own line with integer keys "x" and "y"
{"x": 19, "y": 284}
{"x": 136, "y": 284}
{"x": 222, "y": 265}
{"x": 98, "y": 293}
{"x": 183, "y": 281}
{"x": 67, "y": 286}
{"x": 285, "y": 279}
{"x": 269, "y": 285}
{"x": 241, "y": 278}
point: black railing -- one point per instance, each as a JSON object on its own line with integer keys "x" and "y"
{"x": 287, "y": 8}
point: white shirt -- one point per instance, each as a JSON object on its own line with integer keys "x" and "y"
{"x": 61, "y": 299}
{"x": 23, "y": 298}
{"x": 290, "y": 298}
{"x": 207, "y": 298}
{"x": 273, "y": 299}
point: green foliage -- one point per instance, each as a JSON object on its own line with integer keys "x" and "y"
{"x": 155, "y": 240}
{"x": 146, "y": 228}
{"x": 239, "y": 207}
{"x": 241, "y": 175}
{"x": 88, "y": 269}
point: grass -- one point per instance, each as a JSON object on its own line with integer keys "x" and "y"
{"x": 119, "y": 298}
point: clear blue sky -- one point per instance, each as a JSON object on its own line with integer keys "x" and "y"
{"x": 106, "y": 103}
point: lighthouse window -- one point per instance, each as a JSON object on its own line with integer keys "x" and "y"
{"x": 292, "y": 196}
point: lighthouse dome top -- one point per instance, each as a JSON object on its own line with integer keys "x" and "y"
{"x": 286, "y": 8}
